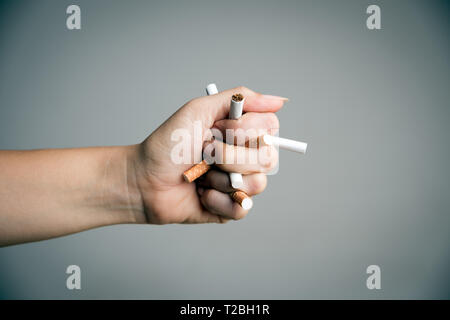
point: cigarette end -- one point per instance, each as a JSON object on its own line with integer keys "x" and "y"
{"x": 243, "y": 199}
{"x": 211, "y": 89}
{"x": 282, "y": 143}
{"x": 237, "y": 97}
{"x": 267, "y": 140}
{"x": 237, "y": 182}
{"x": 196, "y": 171}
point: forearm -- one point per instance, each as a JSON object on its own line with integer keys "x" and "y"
{"x": 50, "y": 193}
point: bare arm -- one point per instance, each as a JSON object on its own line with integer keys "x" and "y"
{"x": 49, "y": 193}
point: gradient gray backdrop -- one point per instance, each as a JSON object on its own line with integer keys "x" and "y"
{"x": 374, "y": 187}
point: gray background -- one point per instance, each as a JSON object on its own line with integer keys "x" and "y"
{"x": 374, "y": 187}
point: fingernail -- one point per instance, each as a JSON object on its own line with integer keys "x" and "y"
{"x": 200, "y": 191}
{"x": 268, "y": 96}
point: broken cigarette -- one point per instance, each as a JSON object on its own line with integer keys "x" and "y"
{"x": 190, "y": 175}
{"x": 196, "y": 171}
{"x": 236, "y": 107}
{"x": 211, "y": 89}
{"x": 287, "y": 144}
{"x": 200, "y": 168}
{"x": 243, "y": 199}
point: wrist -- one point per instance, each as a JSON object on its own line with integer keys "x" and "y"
{"x": 120, "y": 190}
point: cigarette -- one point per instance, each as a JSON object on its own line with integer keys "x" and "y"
{"x": 211, "y": 89}
{"x": 287, "y": 144}
{"x": 200, "y": 168}
{"x": 236, "y": 107}
{"x": 196, "y": 171}
{"x": 243, "y": 199}
{"x": 190, "y": 175}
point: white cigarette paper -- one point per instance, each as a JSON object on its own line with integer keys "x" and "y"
{"x": 236, "y": 180}
{"x": 236, "y": 107}
{"x": 235, "y": 113}
{"x": 211, "y": 89}
{"x": 287, "y": 144}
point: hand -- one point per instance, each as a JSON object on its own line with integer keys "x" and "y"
{"x": 55, "y": 192}
{"x": 166, "y": 197}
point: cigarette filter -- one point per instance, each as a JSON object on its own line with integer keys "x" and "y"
{"x": 288, "y": 144}
{"x": 196, "y": 171}
{"x": 243, "y": 199}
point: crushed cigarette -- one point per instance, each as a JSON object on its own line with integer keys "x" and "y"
{"x": 243, "y": 199}
{"x": 211, "y": 89}
{"x": 190, "y": 175}
{"x": 196, "y": 171}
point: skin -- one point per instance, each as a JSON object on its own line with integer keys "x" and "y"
{"x": 55, "y": 192}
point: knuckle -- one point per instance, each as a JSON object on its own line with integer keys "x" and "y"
{"x": 196, "y": 104}
{"x": 208, "y": 196}
{"x": 259, "y": 183}
{"x": 193, "y": 102}
{"x": 271, "y": 161}
{"x": 274, "y": 160}
{"x": 243, "y": 90}
{"x": 273, "y": 121}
